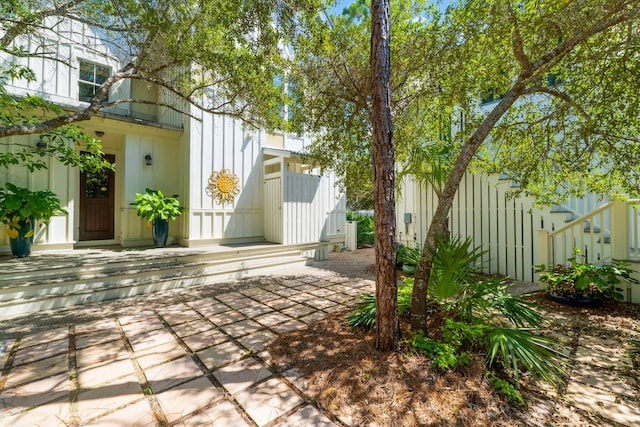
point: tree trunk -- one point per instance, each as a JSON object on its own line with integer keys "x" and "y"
{"x": 387, "y": 325}
{"x": 438, "y": 226}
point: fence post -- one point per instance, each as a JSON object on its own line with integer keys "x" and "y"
{"x": 542, "y": 248}
{"x": 620, "y": 243}
{"x": 352, "y": 235}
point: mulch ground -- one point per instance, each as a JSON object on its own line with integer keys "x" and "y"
{"x": 344, "y": 375}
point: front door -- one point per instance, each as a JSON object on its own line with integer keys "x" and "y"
{"x": 97, "y": 195}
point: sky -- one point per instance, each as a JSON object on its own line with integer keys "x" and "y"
{"x": 340, "y": 4}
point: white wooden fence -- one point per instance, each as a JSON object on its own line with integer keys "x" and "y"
{"x": 518, "y": 235}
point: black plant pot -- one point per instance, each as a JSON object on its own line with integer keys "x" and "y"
{"x": 575, "y": 300}
{"x": 160, "y": 232}
{"x": 21, "y": 246}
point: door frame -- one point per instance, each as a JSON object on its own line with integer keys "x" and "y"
{"x": 117, "y": 205}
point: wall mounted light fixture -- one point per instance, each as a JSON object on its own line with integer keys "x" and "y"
{"x": 99, "y": 133}
{"x": 148, "y": 160}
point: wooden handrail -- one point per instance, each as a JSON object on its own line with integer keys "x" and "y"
{"x": 583, "y": 218}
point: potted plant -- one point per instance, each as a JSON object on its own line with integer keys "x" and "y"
{"x": 20, "y": 208}
{"x": 409, "y": 257}
{"x": 583, "y": 283}
{"x": 157, "y": 209}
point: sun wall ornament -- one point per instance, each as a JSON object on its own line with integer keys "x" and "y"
{"x": 223, "y": 186}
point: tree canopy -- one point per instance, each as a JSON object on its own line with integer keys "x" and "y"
{"x": 223, "y": 57}
{"x": 558, "y": 77}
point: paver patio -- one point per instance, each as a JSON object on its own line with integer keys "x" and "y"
{"x": 197, "y": 361}
{"x": 195, "y": 357}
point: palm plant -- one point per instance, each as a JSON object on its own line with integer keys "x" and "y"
{"x": 505, "y": 322}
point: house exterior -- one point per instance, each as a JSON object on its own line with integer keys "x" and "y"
{"x": 237, "y": 185}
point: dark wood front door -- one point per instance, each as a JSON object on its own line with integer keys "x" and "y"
{"x": 97, "y": 194}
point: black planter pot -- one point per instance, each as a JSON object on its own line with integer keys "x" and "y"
{"x": 160, "y": 232}
{"x": 575, "y": 300}
{"x": 21, "y": 246}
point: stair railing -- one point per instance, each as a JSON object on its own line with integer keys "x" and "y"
{"x": 612, "y": 231}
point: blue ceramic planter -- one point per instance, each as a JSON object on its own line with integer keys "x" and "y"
{"x": 21, "y": 246}
{"x": 160, "y": 232}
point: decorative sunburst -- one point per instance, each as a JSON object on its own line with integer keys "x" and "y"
{"x": 223, "y": 186}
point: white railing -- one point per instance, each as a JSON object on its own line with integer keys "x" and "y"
{"x": 589, "y": 233}
{"x": 634, "y": 229}
{"x": 610, "y": 231}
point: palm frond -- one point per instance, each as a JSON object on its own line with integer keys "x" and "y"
{"x": 534, "y": 353}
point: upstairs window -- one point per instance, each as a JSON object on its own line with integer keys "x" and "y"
{"x": 92, "y": 76}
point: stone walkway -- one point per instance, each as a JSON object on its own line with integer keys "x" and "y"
{"x": 195, "y": 357}
{"x": 197, "y": 362}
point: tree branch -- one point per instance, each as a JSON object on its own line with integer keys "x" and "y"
{"x": 564, "y": 97}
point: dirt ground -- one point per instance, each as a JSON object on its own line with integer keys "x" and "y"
{"x": 344, "y": 375}
{"x": 358, "y": 263}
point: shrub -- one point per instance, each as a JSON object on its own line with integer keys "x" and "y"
{"x": 477, "y": 307}
{"x": 504, "y": 386}
{"x": 585, "y": 278}
{"x": 365, "y": 228}
{"x": 365, "y": 312}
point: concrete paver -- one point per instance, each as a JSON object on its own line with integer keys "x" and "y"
{"x": 167, "y": 375}
{"x": 160, "y": 354}
{"x": 272, "y": 319}
{"x": 227, "y": 317}
{"x": 257, "y": 341}
{"x": 222, "y": 414}
{"x": 22, "y": 374}
{"x": 99, "y": 374}
{"x": 52, "y": 414}
{"x": 202, "y": 362}
{"x": 40, "y": 351}
{"x": 187, "y": 398}
{"x": 138, "y": 414}
{"x": 221, "y": 354}
{"x": 205, "y": 339}
{"x": 268, "y": 401}
{"x": 241, "y": 328}
{"x": 118, "y": 393}
{"x": 307, "y": 416}
{"x": 241, "y": 375}
{"x": 27, "y": 396}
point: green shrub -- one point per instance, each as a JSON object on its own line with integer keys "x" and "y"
{"x": 504, "y": 386}
{"x": 585, "y": 278}
{"x": 409, "y": 256}
{"x": 444, "y": 355}
{"x": 455, "y": 263}
{"x": 365, "y": 312}
{"x": 365, "y": 228}
{"x": 520, "y": 347}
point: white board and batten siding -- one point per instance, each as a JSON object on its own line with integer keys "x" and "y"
{"x": 482, "y": 209}
{"x": 313, "y": 210}
{"x": 301, "y": 206}
{"x": 58, "y": 178}
{"x": 220, "y": 142}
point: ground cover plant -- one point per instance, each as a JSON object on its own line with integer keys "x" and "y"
{"x": 336, "y": 367}
{"x": 477, "y": 315}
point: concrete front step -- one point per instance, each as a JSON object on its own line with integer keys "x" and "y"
{"x": 98, "y": 282}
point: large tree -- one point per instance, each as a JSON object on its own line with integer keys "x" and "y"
{"x": 222, "y": 57}
{"x": 563, "y": 76}
{"x": 566, "y": 120}
{"x": 387, "y": 324}
{"x": 331, "y": 84}
{"x": 349, "y": 79}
